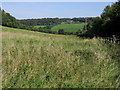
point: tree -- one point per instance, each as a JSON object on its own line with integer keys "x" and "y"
{"x": 108, "y": 24}
{"x": 60, "y": 31}
{"x": 112, "y": 19}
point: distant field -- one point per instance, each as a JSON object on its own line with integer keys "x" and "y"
{"x": 39, "y": 60}
{"x": 40, "y": 26}
{"x": 68, "y": 27}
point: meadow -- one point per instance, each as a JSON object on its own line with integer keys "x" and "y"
{"x": 39, "y": 60}
{"x": 68, "y": 27}
{"x": 40, "y": 26}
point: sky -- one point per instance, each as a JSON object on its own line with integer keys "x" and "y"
{"x": 29, "y": 10}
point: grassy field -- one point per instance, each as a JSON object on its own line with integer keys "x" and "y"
{"x": 40, "y": 26}
{"x": 38, "y": 60}
{"x": 68, "y": 27}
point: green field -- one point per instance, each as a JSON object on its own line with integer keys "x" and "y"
{"x": 40, "y": 26}
{"x": 68, "y": 27}
{"x": 39, "y": 60}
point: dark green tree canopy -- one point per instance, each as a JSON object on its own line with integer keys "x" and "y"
{"x": 108, "y": 24}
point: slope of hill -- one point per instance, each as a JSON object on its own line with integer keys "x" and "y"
{"x": 8, "y": 20}
{"x": 39, "y": 60}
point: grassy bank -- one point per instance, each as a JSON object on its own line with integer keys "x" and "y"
{"x": 38, "y": 60}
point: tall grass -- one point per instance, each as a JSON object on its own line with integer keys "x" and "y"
{"x": 0, "y": 55}
{"x": 37, "y": 60}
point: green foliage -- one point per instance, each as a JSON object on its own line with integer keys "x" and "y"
{"x": 61, "y": 31}
{"x": 8, "y": 20}
{"x": 53, "y": 21}
{"x": 39, "y": 60}
{"x": 111, "y": 12}
{"x": 107, "y": 25}
{"x": 44, "y": 21}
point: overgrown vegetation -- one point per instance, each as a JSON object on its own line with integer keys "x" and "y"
{"x": 39, "y": 60}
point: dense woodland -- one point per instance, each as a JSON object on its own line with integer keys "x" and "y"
{"x": 53, "y": 21}
{"x": 106, "y": 25}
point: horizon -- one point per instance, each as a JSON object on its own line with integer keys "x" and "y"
{"x": 39, "y": 10}
{"x": 56, "y": 17}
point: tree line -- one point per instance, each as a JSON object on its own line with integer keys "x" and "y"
{"x": 53, "y": 21}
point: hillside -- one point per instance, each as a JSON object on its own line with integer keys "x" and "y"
{"x": 39, "y": 60}
{"x": 7, "y": 19}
